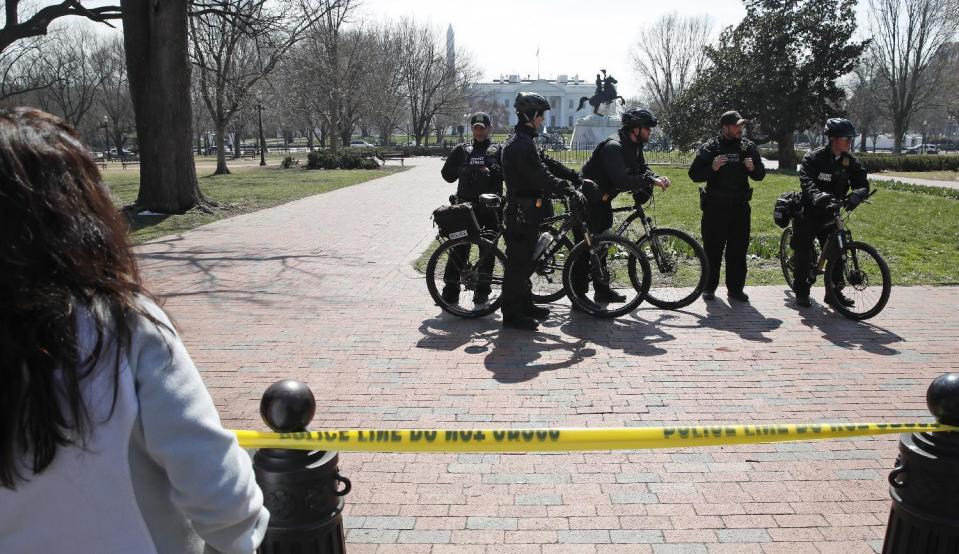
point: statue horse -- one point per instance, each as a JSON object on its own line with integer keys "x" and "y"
{"x": 607, "y": 95}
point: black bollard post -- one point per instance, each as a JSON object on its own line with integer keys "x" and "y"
{"x": 300, "y": 488}
{"x": 924, "y": 518}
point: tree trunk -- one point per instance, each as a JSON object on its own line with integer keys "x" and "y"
{"x": 862, "y": 137}
{"x": 787, "y": 152}
{"x": 155, "y": 39}
{"x": 898, "y": 130}
{"x": 221, "y": 168}
{"x": 309, "y": 138}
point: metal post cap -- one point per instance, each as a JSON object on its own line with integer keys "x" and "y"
{"x": 942, "y": 398}
{"x": 287, "y": 406}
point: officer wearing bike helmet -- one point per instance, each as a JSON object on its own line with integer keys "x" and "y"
{"x": 616, "y": 165}
{"x": 826, "y": 176}
{"x": 475, "y": 165}
{"x": 726, "y": 163}
{"x": 530, "y": 181}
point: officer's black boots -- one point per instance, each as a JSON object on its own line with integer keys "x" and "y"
{"x": 523, "y": 322}
{"x": 536, "y": 312}
{"x": 738, "y": 295}
{"x": 606, "y": 295}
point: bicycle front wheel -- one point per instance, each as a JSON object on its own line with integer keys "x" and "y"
{"x": 861, "y": 278}
{"x": 678, "y": 263}
{"x": 465, "y": 277}
{"x": 619, "y": 282}
{"x": 787, "y": 256}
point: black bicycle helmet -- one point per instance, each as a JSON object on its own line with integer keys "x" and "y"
{"x": 839, "y": 127}
{"x": 638, "y": 117}
{"x": 530, "y": 104}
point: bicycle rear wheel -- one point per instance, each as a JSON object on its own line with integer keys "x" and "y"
{"x": 860, "y": 274}
{"x": 612, "y": 262}
{"x": 678, "y": 263}
{"x": 547, "y": 276}
{"x": 470, "y": 267}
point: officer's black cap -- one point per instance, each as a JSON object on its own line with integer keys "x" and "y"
{"x": 480, "y": 118}
{"x": 732, "y": 117}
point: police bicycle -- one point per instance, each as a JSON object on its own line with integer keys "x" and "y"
{"x": 678, "y": 261}
{"x": 852, "y": 267}
{"x": 480, "y": 265}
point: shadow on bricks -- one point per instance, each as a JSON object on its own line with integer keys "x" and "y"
{"x": 632, "y": 336}
{"x": 448, "y": 333}
{"x": 847, "y": 333}
{"x": 740, "y": 318}
{"x": 514, "y": 354}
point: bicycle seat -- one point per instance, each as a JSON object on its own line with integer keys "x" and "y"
{"x": 490, "y": 200}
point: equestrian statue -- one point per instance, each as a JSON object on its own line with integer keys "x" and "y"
{"x": 605, "y": 93}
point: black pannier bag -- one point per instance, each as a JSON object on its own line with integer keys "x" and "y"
{"x": 787, "y": 207}
{"x": 456, "y": 221}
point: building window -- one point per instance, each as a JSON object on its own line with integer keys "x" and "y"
{"x": 570, "y": 121}
{"x": 552, "y": 121}
{"x": 571, "y": 104}
{"x": 506, "y": 102}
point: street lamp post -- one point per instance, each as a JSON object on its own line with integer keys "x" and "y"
{"x": 259, "y": 111}
{"x": 106, "y": 136}
{"x": 922, "y": 148}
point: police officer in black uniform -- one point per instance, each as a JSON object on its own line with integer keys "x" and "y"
{"x": 616, "y": 165}
{"x": 826, "y": 176}
{"x": 476, "y": 166}
{"x": 726, "y": 163}
{"x": 531, "y": 179}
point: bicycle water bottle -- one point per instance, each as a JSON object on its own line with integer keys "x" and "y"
{"x": 541, "y": 244}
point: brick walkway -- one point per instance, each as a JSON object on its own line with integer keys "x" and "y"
{"x": 322, "y": 290}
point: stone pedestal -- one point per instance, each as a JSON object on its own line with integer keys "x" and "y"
{"x": 590, "y": 130}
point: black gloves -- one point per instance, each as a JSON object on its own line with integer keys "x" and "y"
{"x": 857, "y": 197}
{"x": 822, "y": 200}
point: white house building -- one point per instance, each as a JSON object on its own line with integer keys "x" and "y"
{"x": 563, "y": 94}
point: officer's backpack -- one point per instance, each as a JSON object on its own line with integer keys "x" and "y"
{"x": 456, "y": 221}
{"x": 788, "y": 206}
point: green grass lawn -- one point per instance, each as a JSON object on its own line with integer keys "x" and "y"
{"x": 916, "y": 230}
{"x": 247, "y": 189}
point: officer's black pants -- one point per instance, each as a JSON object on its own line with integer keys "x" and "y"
{"x": 600, "y": 219}
{"x": 521, "y": 236}
{"x": 725, "y": 226}
{"x": 460, "y": 255}
{"x": 805, "y": 231}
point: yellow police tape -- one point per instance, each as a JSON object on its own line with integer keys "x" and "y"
{"x": 568, "y": 440}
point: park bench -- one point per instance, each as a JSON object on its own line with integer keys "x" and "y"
{"x": 394, "y": 156}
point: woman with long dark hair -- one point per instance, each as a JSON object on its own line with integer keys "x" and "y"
{"x": 109, "y": 441}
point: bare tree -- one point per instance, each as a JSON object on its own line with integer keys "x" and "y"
{"x": 436, "y": 86}
{"x": 23, "y": 19}
{"x": 21, "y": 68}
{"x": 75, "y": 75}
{"x": 668, "y": 54}
{"x": 386, "y": 93}
{"x": 331, "y": 74}
{"x": 235, "y": 47}
{"x": 908, "y": 37}
{"x": 865, "y": 98}
{"x": 114, "y": 91}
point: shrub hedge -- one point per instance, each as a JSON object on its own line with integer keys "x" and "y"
{"x": 891, "y": 162}
{"x": 343, "y": 159}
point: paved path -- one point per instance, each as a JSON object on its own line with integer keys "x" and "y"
{"x": 322, "y": 290}
{"x": 914, "y": 181}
